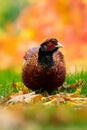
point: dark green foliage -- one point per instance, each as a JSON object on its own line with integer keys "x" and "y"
{"x": 9, "y": 10}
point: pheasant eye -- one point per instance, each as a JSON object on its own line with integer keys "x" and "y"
{"x": 50, "y": 44}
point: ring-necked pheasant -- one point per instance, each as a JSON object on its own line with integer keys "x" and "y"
{"x": 44, "y": 67}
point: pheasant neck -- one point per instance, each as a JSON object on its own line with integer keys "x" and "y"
{"x": 45, "y": 60}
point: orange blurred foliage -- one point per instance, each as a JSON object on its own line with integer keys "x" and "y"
{"x": 64, "y": 20}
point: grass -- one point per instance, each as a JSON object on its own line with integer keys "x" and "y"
{"x": 77, "y": 78}
{"x": 9, "y": 78}
{"x": 46, "y": 117}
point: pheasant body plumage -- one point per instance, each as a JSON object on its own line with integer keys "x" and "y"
{"x": 47, "y": 76}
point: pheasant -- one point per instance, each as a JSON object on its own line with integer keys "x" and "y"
{"x": 44, "y": 67}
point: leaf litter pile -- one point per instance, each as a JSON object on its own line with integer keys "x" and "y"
{"x": 66, "y": 109}
{"x": 72, "y": 99}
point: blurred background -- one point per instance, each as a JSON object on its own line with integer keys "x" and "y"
{"x": 26, "y": 23}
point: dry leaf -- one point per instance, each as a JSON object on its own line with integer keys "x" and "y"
{"x": 33, "y": 99}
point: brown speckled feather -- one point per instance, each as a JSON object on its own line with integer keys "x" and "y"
{"x": 35, "y": 76}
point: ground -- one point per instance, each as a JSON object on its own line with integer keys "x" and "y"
{"x": 65, "y": 109}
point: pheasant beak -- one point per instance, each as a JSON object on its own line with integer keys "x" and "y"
{"x": 59, "y": 45}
